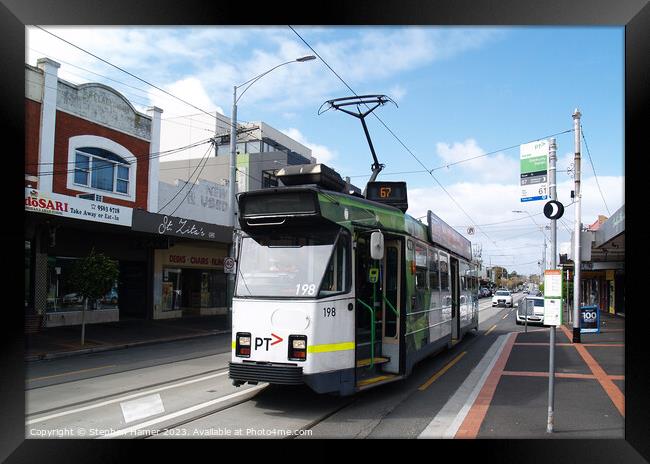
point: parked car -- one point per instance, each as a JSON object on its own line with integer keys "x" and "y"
{"x": 110, "y": 297}
{"x": 532, "y": 308}
{"x": 72, "y": 298}
{"x": 502, "y": 298}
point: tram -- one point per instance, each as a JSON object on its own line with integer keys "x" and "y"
{"x": 343, "y": 292}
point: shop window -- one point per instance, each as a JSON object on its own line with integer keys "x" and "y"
{"x": 62, "y": 294}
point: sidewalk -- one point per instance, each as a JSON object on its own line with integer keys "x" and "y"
{"x": 56, "y": 342}
{"x": 589, "y": 386}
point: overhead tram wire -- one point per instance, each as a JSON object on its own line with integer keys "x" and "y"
{"x": 582, "y": 131}
{"x": 393, "y": 134}
{"x": 188, "y": 181}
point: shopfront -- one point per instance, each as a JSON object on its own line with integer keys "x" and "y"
{"x": 55, "y": 240}
{"x": 188, "y": 275}
{"x": 189, "y": 281}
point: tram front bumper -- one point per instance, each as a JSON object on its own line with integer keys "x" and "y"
{"x": 280, "y": 374}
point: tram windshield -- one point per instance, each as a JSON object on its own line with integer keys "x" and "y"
{"x": 293, "y": 266}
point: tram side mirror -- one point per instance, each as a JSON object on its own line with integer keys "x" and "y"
{"x": 377, "y": 245}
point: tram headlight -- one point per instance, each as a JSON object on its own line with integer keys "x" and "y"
{"x": 297, "y": 348}
{"x": 243, "y": 345}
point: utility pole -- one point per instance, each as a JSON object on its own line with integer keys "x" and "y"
{"x": 577, "y": 229}
{"x": 551, "y": 355}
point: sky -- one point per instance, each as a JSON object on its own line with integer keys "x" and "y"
{"x": 458, "y": 93}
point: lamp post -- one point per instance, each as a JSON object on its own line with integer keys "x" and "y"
{"x": 232, "y": 184}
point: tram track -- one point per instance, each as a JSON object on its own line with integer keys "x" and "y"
{"x": 118, "y": 397}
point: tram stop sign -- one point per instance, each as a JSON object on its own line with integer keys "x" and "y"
{"x": 553, "y": 209}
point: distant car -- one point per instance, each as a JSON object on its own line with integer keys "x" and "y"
{"x": 502, "y": 298}
{"x": 530, "y": 307}
{"x": 484, "y": 291}
{"x": 525, "y": 292}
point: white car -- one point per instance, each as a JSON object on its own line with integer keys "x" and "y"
{"x": 502, "y": 298}
{"x": 532, "y": 308}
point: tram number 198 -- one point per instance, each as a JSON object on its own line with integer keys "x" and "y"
{"x": 329, "y": 312}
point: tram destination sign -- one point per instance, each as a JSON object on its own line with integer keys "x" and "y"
{"x": 534, "y": 170}
{"x": 446, "y": 236}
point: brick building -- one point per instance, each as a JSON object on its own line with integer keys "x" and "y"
{"x": 89, "y": 163}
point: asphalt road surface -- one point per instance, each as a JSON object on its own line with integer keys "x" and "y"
{"x": 181, "y": 390}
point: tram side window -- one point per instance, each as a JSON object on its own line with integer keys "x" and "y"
{"x": 444, "y": 274}
{"x": 337, "y": 276}
{"x": 434, "y": 277}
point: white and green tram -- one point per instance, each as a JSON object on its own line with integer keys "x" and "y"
{"x": 341, "y": 292}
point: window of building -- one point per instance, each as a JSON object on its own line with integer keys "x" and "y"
{"x": 269, "y": 180}
{"x": 101, "y": 169}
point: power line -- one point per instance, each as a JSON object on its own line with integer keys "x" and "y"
{"x": 139, "y": 159}
{"x": 191, "y": 187}
{"x": 594, "y": 169}
{"x": 393, "y": 134}
{"x": 188, "y": 180}
{"x": 133, "y": 75}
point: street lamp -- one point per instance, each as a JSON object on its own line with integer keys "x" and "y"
{"x": 232, "y": 185}
{"x": 233, "y": 136}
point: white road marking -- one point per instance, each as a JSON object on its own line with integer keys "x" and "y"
{"x": 140, "y": 408}
{"x": 182, "y": 412}
{"x": 121, "y": 399}
{"x": 452, "y": 414}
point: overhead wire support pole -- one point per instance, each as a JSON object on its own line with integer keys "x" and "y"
{"x": 577, "y": 230}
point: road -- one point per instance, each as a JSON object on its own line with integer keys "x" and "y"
{"x": 182, "y": 390}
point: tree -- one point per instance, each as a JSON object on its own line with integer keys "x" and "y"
{"x": 93, "y": 277}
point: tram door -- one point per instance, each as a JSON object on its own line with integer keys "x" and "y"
{"x": 390, "y": 304}
{"x": 455, "y": 299}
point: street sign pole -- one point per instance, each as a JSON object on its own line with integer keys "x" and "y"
{"x": 551, "y": 354}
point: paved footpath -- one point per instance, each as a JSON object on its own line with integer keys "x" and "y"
{"x": 589, "y": 387}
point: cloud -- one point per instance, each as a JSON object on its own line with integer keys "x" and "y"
{"x": 320, "y": 152}
{"x": 183, "y": 125}
{"x": 490, "y": 205}
{"x": 497, "y": 167}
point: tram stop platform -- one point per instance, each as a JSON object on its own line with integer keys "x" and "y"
{"x": 589, "y": 386}
{"x": 57, "y": 342}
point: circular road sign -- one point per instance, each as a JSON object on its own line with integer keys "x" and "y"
{"x": 229, "y": 265}
{"x": 553, "y": 209}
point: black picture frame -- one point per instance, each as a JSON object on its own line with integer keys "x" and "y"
{"x": 633, "y": 14}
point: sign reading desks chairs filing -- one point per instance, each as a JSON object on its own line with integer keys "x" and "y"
{"x": 553, "y": 297}
{"x": 161, "y": 224}
{"x": 589, "y": 319}
{"x": 77, "y": 208}
{"x": 534, "y": 170}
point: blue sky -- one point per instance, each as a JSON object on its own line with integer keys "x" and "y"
{"x": 461, "y": 92}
